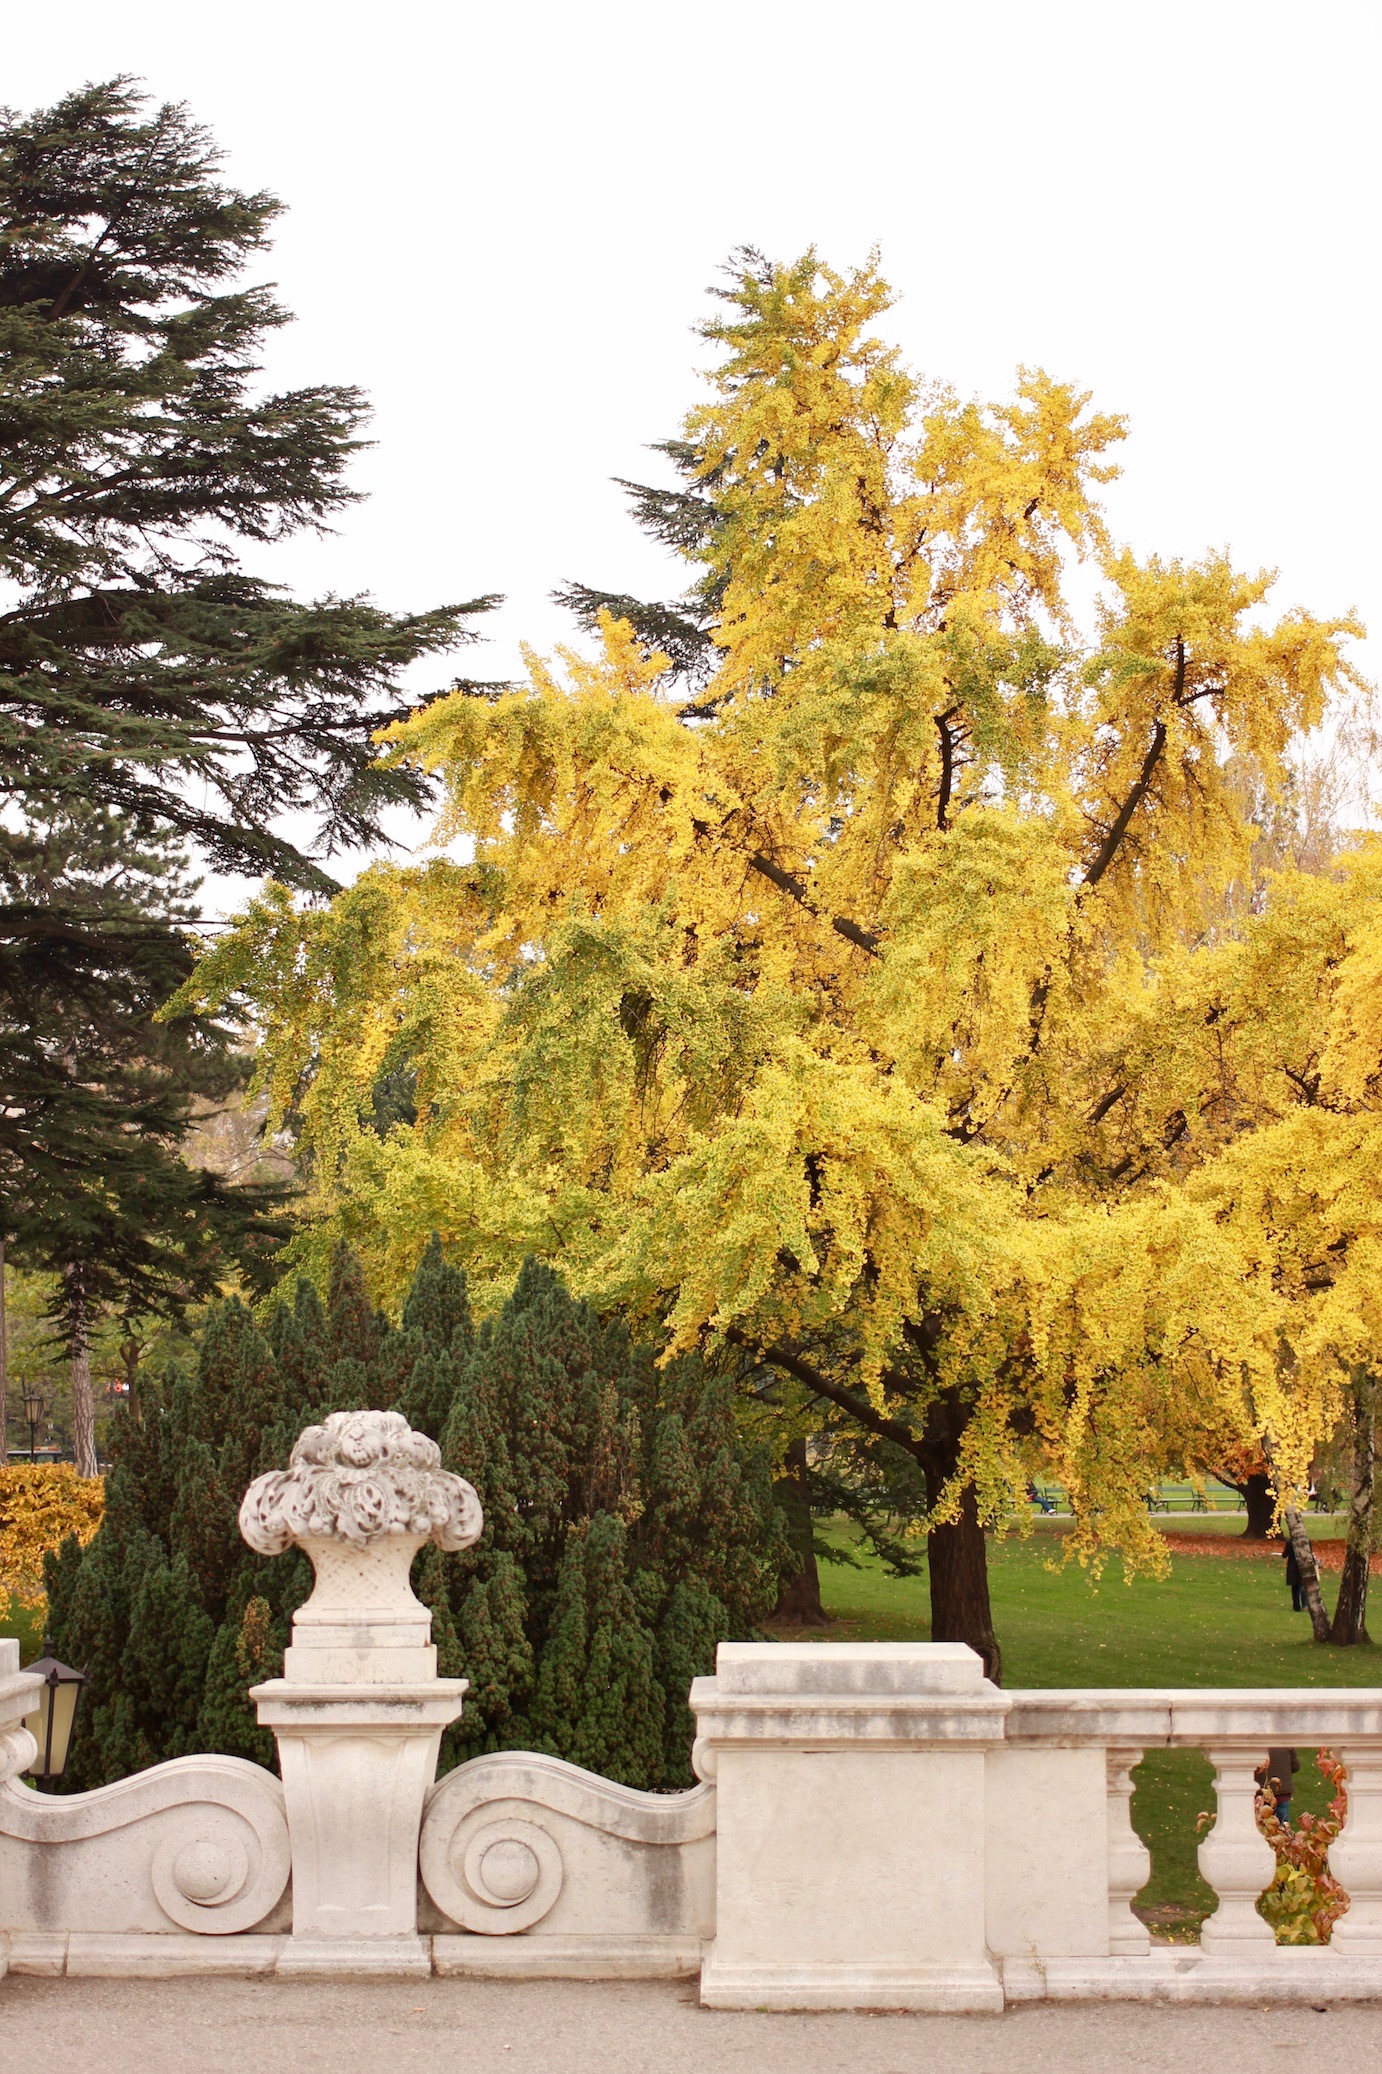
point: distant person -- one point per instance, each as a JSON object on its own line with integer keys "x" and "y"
{"x": 1293, "y": 1578}
{"x": 1277, "y": 1776}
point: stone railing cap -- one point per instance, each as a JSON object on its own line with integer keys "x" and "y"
{"x": 1194, "y": 1714}
{"x": 823, "y": 1668}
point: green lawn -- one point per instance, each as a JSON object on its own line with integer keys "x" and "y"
{"x": 14, "y": 1620}
{"x": 1213, "y": 1621}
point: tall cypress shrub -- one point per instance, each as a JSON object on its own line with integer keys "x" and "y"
{"x": 628, "y": 1528}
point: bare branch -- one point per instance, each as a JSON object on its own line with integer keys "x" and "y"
{"x": 943, "y": 729}
{"x": 1113, "y": 841}
{"x": 862, "y": 939}
{"x": 1104, "y": 1104}
{"x": 821, "y": 1385}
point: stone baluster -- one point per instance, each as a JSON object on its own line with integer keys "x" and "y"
{"x": 1235, "y": 1858}
{"x": 1356, "y": 1858}
{"x": 20, "y": 1692}
{"x": 359, "y": 1711}
{"x": 1129, "y": 1860}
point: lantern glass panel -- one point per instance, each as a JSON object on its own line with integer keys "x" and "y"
{"x": 52, "y": 1720}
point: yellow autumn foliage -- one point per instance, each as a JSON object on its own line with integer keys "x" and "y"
{"x": 41, "y": 1503}
{"x": 872, "y": 1004}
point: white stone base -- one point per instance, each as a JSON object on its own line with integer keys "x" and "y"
{"x": 154, "y": 1956}
{"x": 568, "y": 1958}
{"x": 1168, "y": 1973}
{"x": 40, "y": 1952}
{"x": 946, "y": 1988}
{"x": 139, "y": 1955}
{"x": 331, "y": 1958}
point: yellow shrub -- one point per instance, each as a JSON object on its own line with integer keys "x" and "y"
{"x": 41, "y": 1503}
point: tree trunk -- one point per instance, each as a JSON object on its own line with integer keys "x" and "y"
{"x": 1259, "y": 1502}
{"x": 4, "y": 1370}
{"x": 1294, "y": 1524}
{"x": 1309, "y": 1573}
{"x": 800, "y": 1597}
{"x": 1351, "y": 1607}
{"x": 83, "y": 1404}
{"x": 957, "y": 1560}
{"x": 129, "y": 1354}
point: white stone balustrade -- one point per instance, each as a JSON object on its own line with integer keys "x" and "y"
{"x": 528, "y": 1861}
{"x": 181, "y": 1868}
{"x": 1236, "y": 1958}
{"x": 877, "y": 1825}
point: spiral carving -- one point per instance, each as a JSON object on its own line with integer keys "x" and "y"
{"x": 494, "y": 1877}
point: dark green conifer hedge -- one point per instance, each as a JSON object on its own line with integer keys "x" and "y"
{"x": 628, "y": 1529}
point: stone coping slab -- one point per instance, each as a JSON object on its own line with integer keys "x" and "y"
{"x": 848, "y": 1667}
{"x": 1173, "y": 1717}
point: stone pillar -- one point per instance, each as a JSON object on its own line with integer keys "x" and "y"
{"x": 1235, "y": 1858}
{"x": 850, "y": 1825}
{"x": 359, "y": 1711}
{"x": 1355, "y": 1859}
{"x": 1129, "y": 1860}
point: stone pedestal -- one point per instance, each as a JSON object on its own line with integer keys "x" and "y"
{"x": 356, "y": 1770}
{"x": 850, "y": 1825}
{"x": 359, "y": 1711}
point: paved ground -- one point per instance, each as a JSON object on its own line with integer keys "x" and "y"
{"x": 569, "y": 2027}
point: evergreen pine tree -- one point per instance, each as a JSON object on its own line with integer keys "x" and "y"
{"x": 152, "y": 690}
{"x": 618, "y": 1727}
{"x": 164, "y": 1662}
{"x": 627, "y": 1529}
{"x": 437, "y": 1307}
{"x": 99, "y": 1091}
{"x": 141, "y": 667}
{"x": 497, "y": 1657}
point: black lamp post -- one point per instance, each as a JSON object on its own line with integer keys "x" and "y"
{"x": 35, "y": 1401}
{"x": 54, "y": 1718}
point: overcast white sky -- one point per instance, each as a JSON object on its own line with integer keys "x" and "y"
{"x": 502, "y": 219}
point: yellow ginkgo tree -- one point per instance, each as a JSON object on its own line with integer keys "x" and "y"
{"x": 818, "y": 989}
{"x": 1287, "y": 1106}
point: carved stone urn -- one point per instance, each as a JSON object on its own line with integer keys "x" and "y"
{"x": 359, "y": 1711}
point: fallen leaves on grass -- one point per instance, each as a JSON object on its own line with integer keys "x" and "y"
{"x": 1329, "y": 1555}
